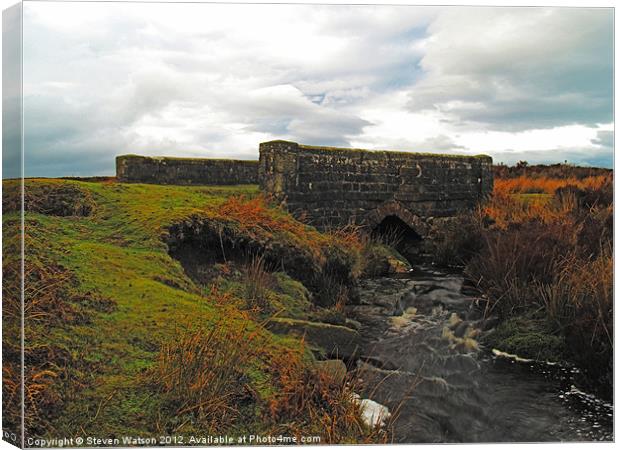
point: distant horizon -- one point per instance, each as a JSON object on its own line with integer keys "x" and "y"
{"x": 113, "y": 175}
{"x": 214, "y": 80}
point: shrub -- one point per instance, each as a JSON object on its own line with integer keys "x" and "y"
{"x": 561, "y": 171}
{"x": 512, "y": 261}
{"x": 226, "y": 376}
{"x": 339, "y": 272}
{"x": 461, "y": 240}
{"x": 585, "y": 310}
{"x": 553, "y": 255}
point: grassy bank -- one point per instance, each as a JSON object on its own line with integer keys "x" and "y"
{"x": 123, "y": 339}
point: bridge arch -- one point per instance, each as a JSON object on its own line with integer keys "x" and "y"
{"x": 398, "y": 227}
{"x": 393, "y": 208}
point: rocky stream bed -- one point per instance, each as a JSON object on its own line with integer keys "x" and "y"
{"x": 422, "y": 358}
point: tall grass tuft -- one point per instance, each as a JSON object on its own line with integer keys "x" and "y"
{"x": 257, "y": 281}
{"x": 310, "y": 401}
{"x": 512, "y": 261}
{"x": 201, "y": 373}
{"x": 392, "y": 237}
{"x": 204, "y": 378}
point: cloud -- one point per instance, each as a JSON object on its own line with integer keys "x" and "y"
{"x": 11, "y": 90}
{"x": 604, "y": 138}
{"x": 215, "y": 80}
{"x": 518, "y": 68}
{"x": 440, "y": 143}
{"x": 212, "y": 87}
{"x": 434, "y": 144}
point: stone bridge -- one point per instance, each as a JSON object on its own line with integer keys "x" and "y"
{"x": 333, "y": 187}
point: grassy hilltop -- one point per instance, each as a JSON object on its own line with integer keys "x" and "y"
{"x": 121, "y": 341}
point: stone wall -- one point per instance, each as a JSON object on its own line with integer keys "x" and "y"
{"x": 187, "y": 171}
{"x": 333, "y": 187}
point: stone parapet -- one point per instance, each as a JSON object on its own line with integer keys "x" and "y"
{"x": 185, "y": 171}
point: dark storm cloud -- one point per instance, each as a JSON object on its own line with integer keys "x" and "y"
{"x": 11, "y": 93}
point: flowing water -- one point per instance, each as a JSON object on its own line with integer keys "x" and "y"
{"x": 422, "y": 360}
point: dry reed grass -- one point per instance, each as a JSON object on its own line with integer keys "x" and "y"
{"x": 257, "y": 281}
{"x": 310, "y": 401}
{"x": 552, "y": 255}
{"x": 202, "y": 373}
{"x": 546, "y": 185}
{"x": 46, "y": 295}
{"x": 203, "y": 376}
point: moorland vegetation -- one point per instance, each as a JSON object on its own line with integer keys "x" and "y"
{"x": 148, "y": 308}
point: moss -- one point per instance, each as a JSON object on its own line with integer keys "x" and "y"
{"x": 332, "y": 316}
{"x": 381, "y": 260}
{"x": 529, "y": 338}
{"x": 386, "y": 153}
{"x": 335, "y": 340}
{"x": 290, "y": 296}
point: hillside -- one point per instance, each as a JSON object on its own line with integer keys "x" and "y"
{"x": 122, "y": 339}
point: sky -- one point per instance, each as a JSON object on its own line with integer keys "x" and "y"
{"x": 215, "y": 80}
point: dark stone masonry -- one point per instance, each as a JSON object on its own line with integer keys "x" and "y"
{"x": 333, "y": 187}
{"x": 185, "y": 171}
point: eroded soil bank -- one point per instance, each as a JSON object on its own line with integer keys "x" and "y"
{"x": 423, "y": 358}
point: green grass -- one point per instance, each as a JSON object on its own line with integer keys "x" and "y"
{"x": 540, "y": 198}
{"x": 118, "y": 253}
{"x": 97, "y": 340}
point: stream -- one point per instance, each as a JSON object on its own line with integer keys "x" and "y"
{"x": 422, "y": 359}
